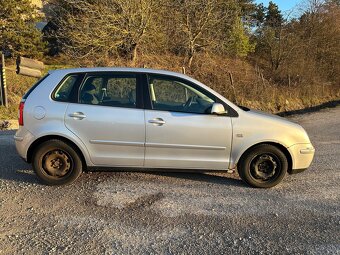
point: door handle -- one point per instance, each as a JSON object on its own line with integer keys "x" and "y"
{"x": 157, "y": 121}
{"x": 77, "y": 115}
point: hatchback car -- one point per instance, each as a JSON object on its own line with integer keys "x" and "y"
{"x": 73, "y": 120}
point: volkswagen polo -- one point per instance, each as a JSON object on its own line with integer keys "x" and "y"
{"x": 73, "y": 120}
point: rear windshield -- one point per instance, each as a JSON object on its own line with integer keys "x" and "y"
{"x": 34, "y": 86}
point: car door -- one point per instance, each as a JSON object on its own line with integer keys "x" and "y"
{"x": 180, "y": 130}
{"x": 108, "y": 119}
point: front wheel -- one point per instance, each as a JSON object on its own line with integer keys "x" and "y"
{"x": 264, "y": 166}
{"x": 56, "y": 163}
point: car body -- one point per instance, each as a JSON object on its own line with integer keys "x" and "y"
{"x": 150, "y": 119}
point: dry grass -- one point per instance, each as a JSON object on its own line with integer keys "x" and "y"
{"x": 249, "y": 88}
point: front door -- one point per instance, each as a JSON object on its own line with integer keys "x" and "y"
{"x": 180, "y": 130}
{"x": 107, "y": 119}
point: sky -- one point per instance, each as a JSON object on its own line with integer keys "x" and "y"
{"x": 284, "y": 5}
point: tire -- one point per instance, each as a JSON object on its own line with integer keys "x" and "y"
{"x": 56, "y": 163}
{"x": 264, "y": 166}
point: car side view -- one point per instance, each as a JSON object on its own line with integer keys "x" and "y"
{"x": 73, "y": 120}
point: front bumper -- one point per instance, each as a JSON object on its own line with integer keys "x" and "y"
{"x": 302, "y": 156}
{"x": 296, "y": 171}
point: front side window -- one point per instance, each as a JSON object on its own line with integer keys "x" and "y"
{"x": 168, "y": 94}
{"x": 109, "y": 90}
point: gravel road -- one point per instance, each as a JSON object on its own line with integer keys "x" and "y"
{"x": 175, "y": 213}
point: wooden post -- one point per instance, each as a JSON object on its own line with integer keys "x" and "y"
{"x": 323, "y": 89}
{"x": 30, "y": 72}
{"x": 183, "y": 69}
{"x": 232, "y": 85}
{"x": 4, "y": 100}
{"x": 29, "y": 67}
{"x": 263, "y": 81}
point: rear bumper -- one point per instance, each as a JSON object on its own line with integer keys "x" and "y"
{"x": 23, "y": 139}
{"x": 302, "y": 156}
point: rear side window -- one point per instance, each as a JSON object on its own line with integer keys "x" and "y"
{"x": 118, "y": 90}
{"x": 64, "y": 90}
{"x": 34, "y": 86}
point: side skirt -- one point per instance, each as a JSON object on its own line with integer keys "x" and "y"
{"x": 140, "y": 169}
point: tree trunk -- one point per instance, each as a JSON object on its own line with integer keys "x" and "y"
{"x": 191, "y": 57}
{"x": 191, "y": 53}
{"x": 134, "y": 53}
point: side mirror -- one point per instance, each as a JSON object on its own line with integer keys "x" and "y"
{"x": 218, "y": 109}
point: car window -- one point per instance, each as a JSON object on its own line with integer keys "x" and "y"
{"x": 168, "y": 94}
{"x": 63, "y": 93}
{"x": 109, "y": 90}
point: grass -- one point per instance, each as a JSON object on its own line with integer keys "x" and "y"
{"x": 249, "y": 89}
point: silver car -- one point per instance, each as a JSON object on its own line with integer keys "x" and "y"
{"x": 74, "y": 120}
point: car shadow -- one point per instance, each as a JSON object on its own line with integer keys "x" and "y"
{"x": 330, "y": 104}
{"x": 12, "y": 167}
{"x": 208, "y": 177}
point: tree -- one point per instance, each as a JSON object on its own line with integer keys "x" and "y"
{"x": 196, "y": 20}
{"x": 273, "y": 17}
{"x": 306, "y": 48}
{"x": 18, "y": 34}
{"x": 272, "y": 38}
{"x": 236, "y": 31}
{"x": 100, "y": 29}
{"x": 259, "y": 15}
{"x": 239, "y": 44}
{"x": 206, "y": 25}
{"x": 319, "y": 31}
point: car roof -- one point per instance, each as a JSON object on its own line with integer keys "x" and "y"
{"x": 119, "y": 69}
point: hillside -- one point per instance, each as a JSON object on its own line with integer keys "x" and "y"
{"x": 250, "y": 88}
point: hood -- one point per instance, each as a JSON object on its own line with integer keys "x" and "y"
{"x": 269, "y": 117}
{"x": 268, "y": 125}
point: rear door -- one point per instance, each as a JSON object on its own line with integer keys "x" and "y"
{"x": 109, "y": 119}
{"x": 180, "y": 130}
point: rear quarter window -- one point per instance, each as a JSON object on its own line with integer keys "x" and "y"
{"x": 64, "y": 90}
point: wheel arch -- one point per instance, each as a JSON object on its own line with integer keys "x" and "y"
{"x": 45, "y": 138}
{"x": 277, "y": 145}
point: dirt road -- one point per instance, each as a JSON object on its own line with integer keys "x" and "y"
{"x": 175, "y": 213}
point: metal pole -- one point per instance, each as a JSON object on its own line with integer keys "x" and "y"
{"x": 3, "y": 81}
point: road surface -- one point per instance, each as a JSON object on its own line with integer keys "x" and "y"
{"x": 175, "y": 213}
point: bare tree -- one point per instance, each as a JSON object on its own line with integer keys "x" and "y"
{"x": 100, "y": 28}
{"x": 198, "y": 23}
{"x": 135, "y": 19}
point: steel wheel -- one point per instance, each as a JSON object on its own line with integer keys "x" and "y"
{"x": 57, "y": 163}
{"x": 263, "y": 166}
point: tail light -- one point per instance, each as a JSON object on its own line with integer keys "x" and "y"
{"x": 21, "y": 113}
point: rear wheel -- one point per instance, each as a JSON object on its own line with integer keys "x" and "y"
{"x": 264, "y": 166}
{"x": 56, "y": 163}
